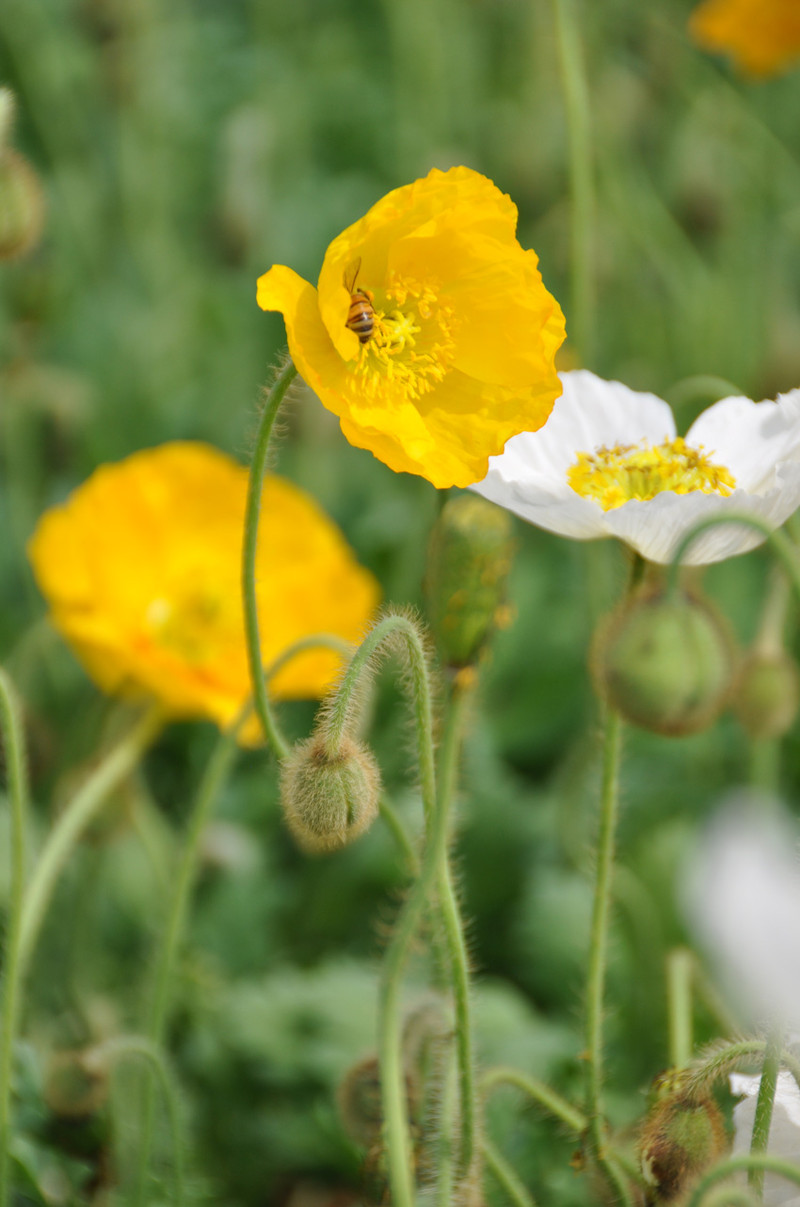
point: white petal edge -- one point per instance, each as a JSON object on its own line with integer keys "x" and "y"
{"x": 750, "y": 438}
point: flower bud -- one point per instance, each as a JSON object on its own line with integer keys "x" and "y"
{"x": 469, "y": 558}
{"x": 682, "y": 1135}
{"x": 767, "y": 694}
{"x": 21, "y": 205}
{"x": 329, "y": 801}
{"x": 75, "y": 1087}
{"x": 664, "y": 661}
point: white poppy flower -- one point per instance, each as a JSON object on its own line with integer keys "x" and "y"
{"x": 608, "y": 462}
{"x": 784, "y": 1132}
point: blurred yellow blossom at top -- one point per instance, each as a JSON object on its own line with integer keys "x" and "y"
{"x": 461, "y": 332}
{"x": 141, "y": 569}
{"x": 761, "y": 36}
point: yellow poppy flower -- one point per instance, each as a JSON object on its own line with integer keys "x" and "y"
{"x": 141, "y": 569}
{"x": 457, "y": 332}
{"x": 761, "y": 36}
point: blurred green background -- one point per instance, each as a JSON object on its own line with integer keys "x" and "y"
{"x": 184, "y": 147}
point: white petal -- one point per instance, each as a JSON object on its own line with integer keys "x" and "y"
{"x": 750, "y": 438}
{"x": 654, "y": 527}
{"x": 537, "y": 500}
{"x": 742, "y": 898}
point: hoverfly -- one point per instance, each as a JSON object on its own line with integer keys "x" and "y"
{"x": 360, "y": 316}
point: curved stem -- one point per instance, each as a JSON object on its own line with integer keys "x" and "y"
{"x": 133, "y": 1045}
{"x": 576, "y": 104}
{"x": 781, "y": 546}
{"x": 506, "y": 1176}
{"x": 598, "y": 949}
{"x": 340, "y": 715}
{"x": 701, "y": 386}
{"x": 764, "y": 1106}
{"x": 249, "y": 551}
{"x": 17, "y": 780}
{"x": 539, "y": 1092}
{"x": 73, "y": 821}
{"x": 454, "y": 936}
{"x": 776, "y": 1165}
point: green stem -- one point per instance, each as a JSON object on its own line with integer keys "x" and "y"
{"x": 454, "y": 936}
{"x": 73, "y": 821}
{"x": 780, "y": 544}
{"x": 506, "y": 1176}
{"x": 393, "y": 1090}
{"x": 249, "y": 551}
{"x": 394, "y": 823}
{"x": 701, "y": 386}
{"x": 730, "y": 1196}
{"x": 539, "y": 1092}
{"x": 598, "y": 951}
{"x": 126, "y": 1046}
{"x": 776, "y": 1165}
{"x": 764, "y": 1106}
{"x": 17, "y": 778}
{"x": 679, "y": 1004}
{"x": 215, "y": 774}
{"x": 576, "y": 104}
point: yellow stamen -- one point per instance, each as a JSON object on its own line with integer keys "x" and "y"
{"x": 412, "y": 342}
{"x": 612, "y": 476}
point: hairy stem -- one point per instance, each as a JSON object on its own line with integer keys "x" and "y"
{"x": 764, "y": 1106}
{"x": 17, "y": 786}
{"x": 747, "y": 1162}
{"x": 249, "y": 551}
{"x": 506, "y": 1176}
{"x": 72, "y": 822}
{"x": 539, "y": 1092}
{"x": 780, "y": 544}
{"x": 679, "y": 1004}
{"x": 598, "y": 951}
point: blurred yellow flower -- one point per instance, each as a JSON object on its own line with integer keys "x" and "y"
{"x": 141, "y": 568}
{"x": 430, "y": 335}
{"x": 761, "y": 36}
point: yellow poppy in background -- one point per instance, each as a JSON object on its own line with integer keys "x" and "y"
{"x": 761, "y": 36}
{"x": 141, "y": 568}
{"x": 431, "y": 334}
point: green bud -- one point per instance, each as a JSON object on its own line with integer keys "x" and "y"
{"x": 75, "y": 1085}
{"x": 21, "y": 205}
{"x": 665, "y": 662}
{"x": 469, "y": 558}
{"x": 329, "y": 801}
{"x": 681, "y": 1136}
{"x": 767, "y": 694}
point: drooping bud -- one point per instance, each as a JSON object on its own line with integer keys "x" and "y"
{"x": 21, "y": 197}
{"x": 75, "y": 1087}
{"x": 469, "y": 558}
{"x": 681, "y": 1136}
{"x": 665, "y": 662}
{"x": 329, "y": 800}
{"x": 767, "y": 694}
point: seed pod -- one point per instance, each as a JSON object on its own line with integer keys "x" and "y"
{"x": 329, "y": 801}
{"x": 21, "y": 206}
{"x": 767, "y": 694}
{"x": 681, "y": 1136}
{"x": 469, "y": 558}
{"x": 664, "y": 662}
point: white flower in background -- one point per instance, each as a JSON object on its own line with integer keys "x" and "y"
{"x": 742, "y": 901}
{"x": 784, "y": 1132}
{"x": 609, "y": 462}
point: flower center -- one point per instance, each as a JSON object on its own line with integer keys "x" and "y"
{"x": 612, "y": 476}
{"x": 189, "y": 626}
{"x": 412, "y": 343}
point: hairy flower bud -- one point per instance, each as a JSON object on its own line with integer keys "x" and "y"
{"x": 329, "y": 801}
{"x": 681, "y": 1136}
{"x": 767, "y": 694}
{"x": 664, "y": 662}
{"x": 469, "y": 558}
{"x": 21, "y": 197}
